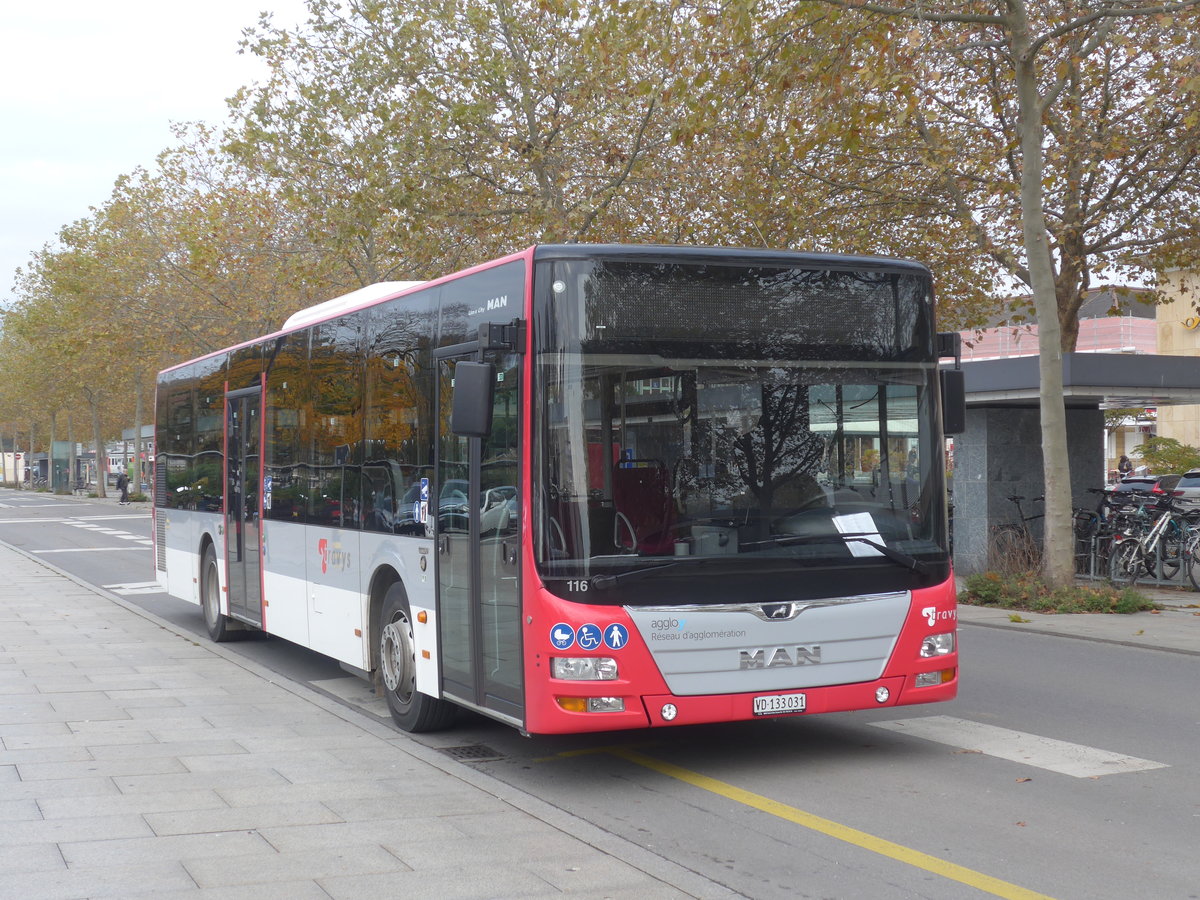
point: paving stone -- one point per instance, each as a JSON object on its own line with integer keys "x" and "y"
{"x": 240, "y": 817}
{"x": 180, "y": 749}
{"x": 72, "y": 884}
{"x": 19, "y": 810}
{"x": 96, "y": 786}
{"x": 18, "y": 858}
{"x": 291, "y": 890}
{"x": 318, "y": 866}
{"x": 228, "y": 845}
{"x": 80, "y": 829}
{"x": 466, "y": 882}
{"x": 114, "y": 803}
{"x": 17, "y": 756}
{"x": 401, "y": 837}
{"x": 108, "y": 767}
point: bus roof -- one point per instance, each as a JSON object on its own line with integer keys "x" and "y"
{"x": 327, "y": 309}
{"x": 373, "y": 293}
{"x": 653, "y": 252}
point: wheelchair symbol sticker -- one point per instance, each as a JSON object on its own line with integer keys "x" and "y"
{"x": 589, "y": 637}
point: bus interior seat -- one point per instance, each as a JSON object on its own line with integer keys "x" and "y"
{"x": 642, "y": 498}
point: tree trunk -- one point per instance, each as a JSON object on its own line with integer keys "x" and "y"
{"x": 137, "y": 438}
{"x": 32, "y": 470}
{"x": 56, "y": 488}
{"x": 1057, "y": 562}
{"x": 97, "y": 442}
{"x": 72, "y": 455}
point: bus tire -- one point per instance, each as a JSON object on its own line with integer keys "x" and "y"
{"x": 210, "y": 597}
{"x": 412, "y": 711}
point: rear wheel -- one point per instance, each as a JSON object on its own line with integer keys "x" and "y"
{"x": 1013, "y": 551}
{"x": 210, "y": 597}
{"x": 412, "y": 710}
{"x": 1168, "y": 558}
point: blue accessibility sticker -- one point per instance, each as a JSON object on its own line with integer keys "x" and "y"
{"x": 562, "y": 636}
{"x": 616, "y": 636}
{"x": 588, "y": 637}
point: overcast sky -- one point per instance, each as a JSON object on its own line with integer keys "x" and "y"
{"x": 88, "y": 91}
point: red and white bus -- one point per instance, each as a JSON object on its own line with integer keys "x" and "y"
{"x": 583, "y": 488}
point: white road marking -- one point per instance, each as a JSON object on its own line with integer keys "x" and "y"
{"x": 1076, "y": 760}
{"x": 71, "y": 520}
{"x": 100, "y": 518}
{"x": 135, "y": 587}
{"x": 20, "y": 505}
{"x": 85, "y": 550}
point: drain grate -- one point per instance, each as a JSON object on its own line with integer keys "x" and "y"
{"x": 473, "y": 753}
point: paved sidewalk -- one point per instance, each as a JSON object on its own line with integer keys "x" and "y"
{"x": 1176, "y": 626}
{"x": 137, "y": 762}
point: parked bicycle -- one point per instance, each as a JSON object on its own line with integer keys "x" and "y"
{"x": 1013, "y": 546}
{"x": 1093, "y": 534}
{"x": 1154, "y": 546}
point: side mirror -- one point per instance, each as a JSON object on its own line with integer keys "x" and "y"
{"x": 954, "y": 400}
{"x": 474, "y": 397}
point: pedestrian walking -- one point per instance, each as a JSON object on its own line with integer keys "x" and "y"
{"x": 123, "y": 487}
{"x": 1124, "y": 466}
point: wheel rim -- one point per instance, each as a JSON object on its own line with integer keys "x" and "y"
{"x": 398, "y": 657}
{"x": 212, "y": 603}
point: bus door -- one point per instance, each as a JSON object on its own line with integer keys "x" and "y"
{"x": 243, "y": 557}
{"x": 478, "y": 541}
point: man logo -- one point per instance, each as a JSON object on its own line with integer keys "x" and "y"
{"x": 778, "y": 657}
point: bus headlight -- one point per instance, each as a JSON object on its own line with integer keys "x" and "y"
{"x": 938, "y": 644}
{"x": 584, "y": 668}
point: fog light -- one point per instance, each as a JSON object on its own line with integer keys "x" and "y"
{"x": 592, "y": 704}
{"x": 938, "y": 644}
{"x": 932, "y": 679}
{"x": 882, "y": 694}
{"x": 606, "y": 704}
{"x": 584, "y": 668}
{"x": 669, "y": 712}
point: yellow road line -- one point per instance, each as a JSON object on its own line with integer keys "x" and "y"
{"x": 834, "y": 829}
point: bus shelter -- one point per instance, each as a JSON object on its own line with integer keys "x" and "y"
{"x": 1000, "y": 453}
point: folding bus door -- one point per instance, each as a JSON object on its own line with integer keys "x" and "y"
{"x": 243, "y": 477}
{"x": 478, "y": 531}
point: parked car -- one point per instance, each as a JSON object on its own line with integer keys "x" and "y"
{"x": 1131, "y": 488}
{"x": 1187, "y": 491}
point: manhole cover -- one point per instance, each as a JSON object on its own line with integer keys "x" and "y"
{"x": 472, "y": 753}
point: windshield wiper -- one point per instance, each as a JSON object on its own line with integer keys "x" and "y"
{"x": 604, "y": 582}
{"x": 900, "y": 558}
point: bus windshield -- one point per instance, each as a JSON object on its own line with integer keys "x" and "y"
{"x": 701, "y": 422}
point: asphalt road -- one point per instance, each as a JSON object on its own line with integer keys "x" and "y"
{"x": 1065, "y": 768}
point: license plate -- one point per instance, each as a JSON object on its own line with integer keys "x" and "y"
{"x": 776, "y": 704}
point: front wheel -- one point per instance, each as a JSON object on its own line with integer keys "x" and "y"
{"x": 1125, "y": 563}
{"x": 411, "y": 710}
{"x": 1191, "y": 561}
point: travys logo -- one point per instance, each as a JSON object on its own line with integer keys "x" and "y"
{"x": 932, "y": 615}
{"x": 332, "y": 557}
